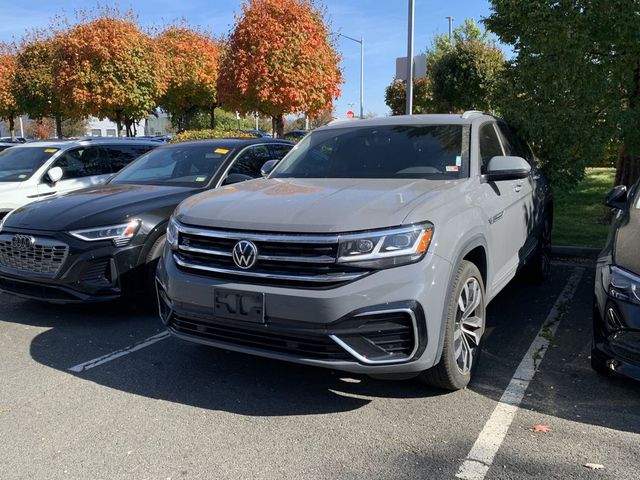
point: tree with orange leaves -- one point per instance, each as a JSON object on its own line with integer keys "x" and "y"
{"x": 280, "y": 60}
{"x": 191, "y": 75}
{"x": 110, "y": 68}
{"x": 9, "y": 109}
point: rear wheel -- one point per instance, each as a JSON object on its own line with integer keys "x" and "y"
{"x": 465, "y": 324}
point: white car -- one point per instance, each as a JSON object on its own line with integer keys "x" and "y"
{"x": 35, "y": 170}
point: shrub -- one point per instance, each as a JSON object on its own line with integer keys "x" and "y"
{"x": 189, "y": 135}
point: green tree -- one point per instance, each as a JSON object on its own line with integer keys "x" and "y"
{"x": 462, "y": 74}
{"x": 573, "y": 87}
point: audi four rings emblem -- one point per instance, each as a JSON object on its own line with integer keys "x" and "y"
{"x": 245, "y": 254}
{"x": 22, "y": 242}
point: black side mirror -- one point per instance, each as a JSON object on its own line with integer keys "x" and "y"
{"x": 617, "y": 197}
{"x": 502, "y": 168}
{"x": 236, "y": 178}
{"x": 268, "y": 166}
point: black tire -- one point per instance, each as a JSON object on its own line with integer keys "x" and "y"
{"x": 538, "y": 266}
{"x": 447, "y": 374}
{"x": 151, "y": 263}
{"x": 598, "y": 365}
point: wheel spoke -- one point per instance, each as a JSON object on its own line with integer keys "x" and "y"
{"x": 469, "y": 325}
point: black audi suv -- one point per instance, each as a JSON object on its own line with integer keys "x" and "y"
{"x": 99, "y": 243}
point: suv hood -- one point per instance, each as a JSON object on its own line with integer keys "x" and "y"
{"x": 95, "y": 206}
{"x": 310, "y": 205}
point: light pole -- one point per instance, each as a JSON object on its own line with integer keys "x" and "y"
{"x": 361, "y": 42}
{"x": 412, "y": 11}
{"x": 451, "y": 19}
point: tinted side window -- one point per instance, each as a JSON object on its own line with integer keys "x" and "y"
{"x": 119, "y": 156}
{"x": 489, "y": 144}
{"x": 279, "y": 150}
{"x": 81, "y": 162}
{"x": 251, "y": 160}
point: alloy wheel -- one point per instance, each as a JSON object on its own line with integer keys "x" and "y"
{"x": 469, "y": 325}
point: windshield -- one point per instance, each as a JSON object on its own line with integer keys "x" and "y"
{"x": 177, "y": 165}
{"x": 394, "y": 151}
{"x": 19, "y": 164}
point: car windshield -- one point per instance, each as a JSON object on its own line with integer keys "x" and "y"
{"x": 177, "y": 165}
{"x": 393, "y": 151}
{"x": 19, "y": 164}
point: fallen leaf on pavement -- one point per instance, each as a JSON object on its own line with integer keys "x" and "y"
{"x": 594, "y": 466}
{"x": 540, "y": 428}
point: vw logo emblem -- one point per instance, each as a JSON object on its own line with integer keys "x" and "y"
{"x": 22, "y": 242}
{"x": 245, "y": 254}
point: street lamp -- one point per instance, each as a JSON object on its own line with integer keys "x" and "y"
{"x": 361, "y": 42}
{"x": 411, "y": 16}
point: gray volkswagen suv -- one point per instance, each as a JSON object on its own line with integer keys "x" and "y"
{"x": 373, "y": 247}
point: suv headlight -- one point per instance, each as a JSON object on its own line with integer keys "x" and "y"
{"x": 172, "y": 233}
{"x": 121, "y": 235}
{"x": 621, "y": 285}
{"x": 385, "y": 248}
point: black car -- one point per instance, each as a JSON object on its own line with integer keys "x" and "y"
{"x": 99, "y": 243}
{"x": 616, "y": 312}
{"x": 5, "y": 145}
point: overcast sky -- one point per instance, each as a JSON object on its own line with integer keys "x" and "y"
{"x": 383, "y": 23}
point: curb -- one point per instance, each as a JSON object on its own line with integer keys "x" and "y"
{"x": 572, "y": 251}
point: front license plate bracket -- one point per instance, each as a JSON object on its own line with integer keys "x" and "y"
{"x": 239, "y": 305}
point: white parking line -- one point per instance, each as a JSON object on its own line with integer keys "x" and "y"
{"x": 484, "y": 450}
{"x": 119, "y": 353}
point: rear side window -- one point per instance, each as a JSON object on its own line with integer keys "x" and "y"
{"x": 489, "y": 145}
{"x": 250, "y": 161}
{"x": 82, "y": 162}
{"x": 119, "y": 156}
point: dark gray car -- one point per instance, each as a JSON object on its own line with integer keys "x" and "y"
{"x": 374, "y": 247}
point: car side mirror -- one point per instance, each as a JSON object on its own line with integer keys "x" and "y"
{"x": 54, "y": 175}
{"x": 617, "y": 197}
{"x": 506, "y": 167}
{"x": 236, "y": 178}
{"x": 268, "y": 166}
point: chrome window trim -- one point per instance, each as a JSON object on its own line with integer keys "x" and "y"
{"x": 295, "y": 278}
{"x": 365, "y": 360}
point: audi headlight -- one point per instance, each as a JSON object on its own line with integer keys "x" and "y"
{"x": 385, "y": 248}
{"x": 622, "y": 285}
{"x": 121, "y": 235}
{"x": 172, "y": 233}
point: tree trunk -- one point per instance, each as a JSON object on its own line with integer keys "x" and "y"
{"x": 628, "y": 168}
{"x": 12, "y": 128}
{"x": 118, "y": 123}
{"x": 277, "y": 122}
{"x": 58, "y": 126}
{"x": 212, "y": 113}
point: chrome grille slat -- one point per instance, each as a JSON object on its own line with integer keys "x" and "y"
{"x": 44, "y": 258}
{"x": 284, "y": 258}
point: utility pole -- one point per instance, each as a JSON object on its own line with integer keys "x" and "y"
{"x": 451, "y": 19}
{"x": 412, "y": 11}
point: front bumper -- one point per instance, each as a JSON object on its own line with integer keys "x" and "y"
{"x": 616, "y": 333}
{"x": 341, "y": 328}
{"x": 91, "y": 272}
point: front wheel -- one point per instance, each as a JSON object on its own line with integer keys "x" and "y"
{"x": 465, "y": 324}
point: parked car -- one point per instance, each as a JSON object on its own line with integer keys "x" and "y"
{"x": 37, "y": 170}
{"x": 102, "y": 242}
{"x": 295, "y": 135}
{"x": 373, "y": 247}
{"x": 616, "y": 312}
{"x": 13, "y": 140}
{"x": 258, "y": 133}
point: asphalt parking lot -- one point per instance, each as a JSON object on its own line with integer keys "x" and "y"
{"x": 162, "y": 409}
